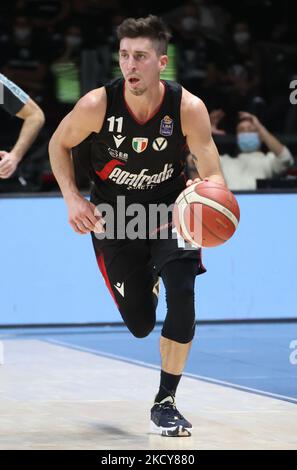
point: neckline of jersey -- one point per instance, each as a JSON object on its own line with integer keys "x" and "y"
{"x": 154, "y": 112}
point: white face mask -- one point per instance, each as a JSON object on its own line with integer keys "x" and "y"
{"x": 248, "y": 141}
{"x": 73, "y": 41}
{"x": 189, "y": 23}
{"x": 22, "y": 33}
{"x": 242, "y": 37}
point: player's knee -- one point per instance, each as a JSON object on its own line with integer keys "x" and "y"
{"x": 180, "y": 333}
{"x": 181, "y": 288}
{"x": 180, "y": 299}
{"x": 142, "y": 331}
{"x": 180, "y": 321}
{"x": 140, "y": 321}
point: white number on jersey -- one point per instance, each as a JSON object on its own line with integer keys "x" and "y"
{"x": 119, "y": 122}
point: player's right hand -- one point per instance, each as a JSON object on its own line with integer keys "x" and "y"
{"x": 190, "y": 182}
{"x": 83, "y": 215}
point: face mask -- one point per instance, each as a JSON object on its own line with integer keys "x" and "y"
{"x": 73, "y": 41}
{"x": 189, "y": 24}
{"x": 248, "y": 141}
{"x": 241, "y": 37}
{"x": 22, "y": 33}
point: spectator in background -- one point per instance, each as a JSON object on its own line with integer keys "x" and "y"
{"x": 280, "y": 69}
{"x": 240, "y": 75}
{"x": 44, "y": 12}
{"x": 213, "y": 18}
{"x": 66, "y": 68}
{"x": 243, "y": 171}
{"x": 206, "y": 15}
{"x": 94, "y": 18}
{"x": 24, "y": 58}
{"x": 196, "y": 54}
{"x": 284, "y": 31}
{"x": 15, "y": 101}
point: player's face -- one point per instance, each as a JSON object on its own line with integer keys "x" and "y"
{"x": 140, "y": 64}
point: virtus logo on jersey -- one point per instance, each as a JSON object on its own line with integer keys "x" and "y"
{"x": 139, "y": 144}
{"x": 160, "y": 143}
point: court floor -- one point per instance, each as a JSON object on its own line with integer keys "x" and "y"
{"x": 92, "y": 388}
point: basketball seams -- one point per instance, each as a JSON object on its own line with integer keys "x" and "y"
{"x": 207, "y": 227}
{"x": 214, "y": 213}
{"x": 213, "y": 204}
{"x": 181, "y": 207}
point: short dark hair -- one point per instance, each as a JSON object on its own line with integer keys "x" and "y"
{"x": 151, "y": 27}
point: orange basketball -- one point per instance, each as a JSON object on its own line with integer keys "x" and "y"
{"x": 206, "y": 214}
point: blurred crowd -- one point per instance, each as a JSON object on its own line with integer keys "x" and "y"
{"x": 236, "y": 56}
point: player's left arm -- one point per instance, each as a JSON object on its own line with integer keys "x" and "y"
{"x": 197, "y": 129}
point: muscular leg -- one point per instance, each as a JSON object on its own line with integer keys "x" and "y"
{"x": 179, "y": 326}
{"x": 173, "y": 355}
{"x": 128, "y": 274}
{"x": 177, "y": 334}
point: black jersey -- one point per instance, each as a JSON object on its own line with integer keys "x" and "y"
{"x": 12, "y": 97}
{"x": 143, "y": 161}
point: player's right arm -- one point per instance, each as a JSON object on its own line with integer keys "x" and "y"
{"x": 86, "y": 117}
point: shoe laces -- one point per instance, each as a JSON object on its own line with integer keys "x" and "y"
{"x": 169, "y": 408}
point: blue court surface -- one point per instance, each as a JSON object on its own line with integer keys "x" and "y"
{"x": 259, "y": 358}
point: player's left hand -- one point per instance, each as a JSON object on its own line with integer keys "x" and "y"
{"x": 8, "y": 164}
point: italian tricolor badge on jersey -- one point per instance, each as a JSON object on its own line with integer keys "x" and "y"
{"x": 139, "y": 144}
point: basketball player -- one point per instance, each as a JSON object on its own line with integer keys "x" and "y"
{"x": 15, "y": 101}
{"x": 140, "y": 127}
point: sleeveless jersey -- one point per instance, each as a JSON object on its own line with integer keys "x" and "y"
{"x": 143, "y": 161}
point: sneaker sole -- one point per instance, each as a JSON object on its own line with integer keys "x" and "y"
{"x": 178, "y": 431}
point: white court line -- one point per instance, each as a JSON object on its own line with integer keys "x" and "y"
{"x": 185, "y": 374}
{"x": 242, "y": 387}
{"x": 101, "y": 353}
{"x": 1, "y": 353}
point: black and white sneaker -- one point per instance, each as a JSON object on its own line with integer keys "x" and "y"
{"x": 167, "y": 421}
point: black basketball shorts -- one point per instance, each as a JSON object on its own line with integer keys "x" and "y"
{"x": 131, "y": 267}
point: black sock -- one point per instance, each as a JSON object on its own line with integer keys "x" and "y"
{"x": 168, "y": 385}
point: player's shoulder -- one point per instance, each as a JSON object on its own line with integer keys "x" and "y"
{"x": 191, "y": 103}
{"x": 90, "y": 110}
{"x": 193, "y": 112}
{"x": 93, "y": 100}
